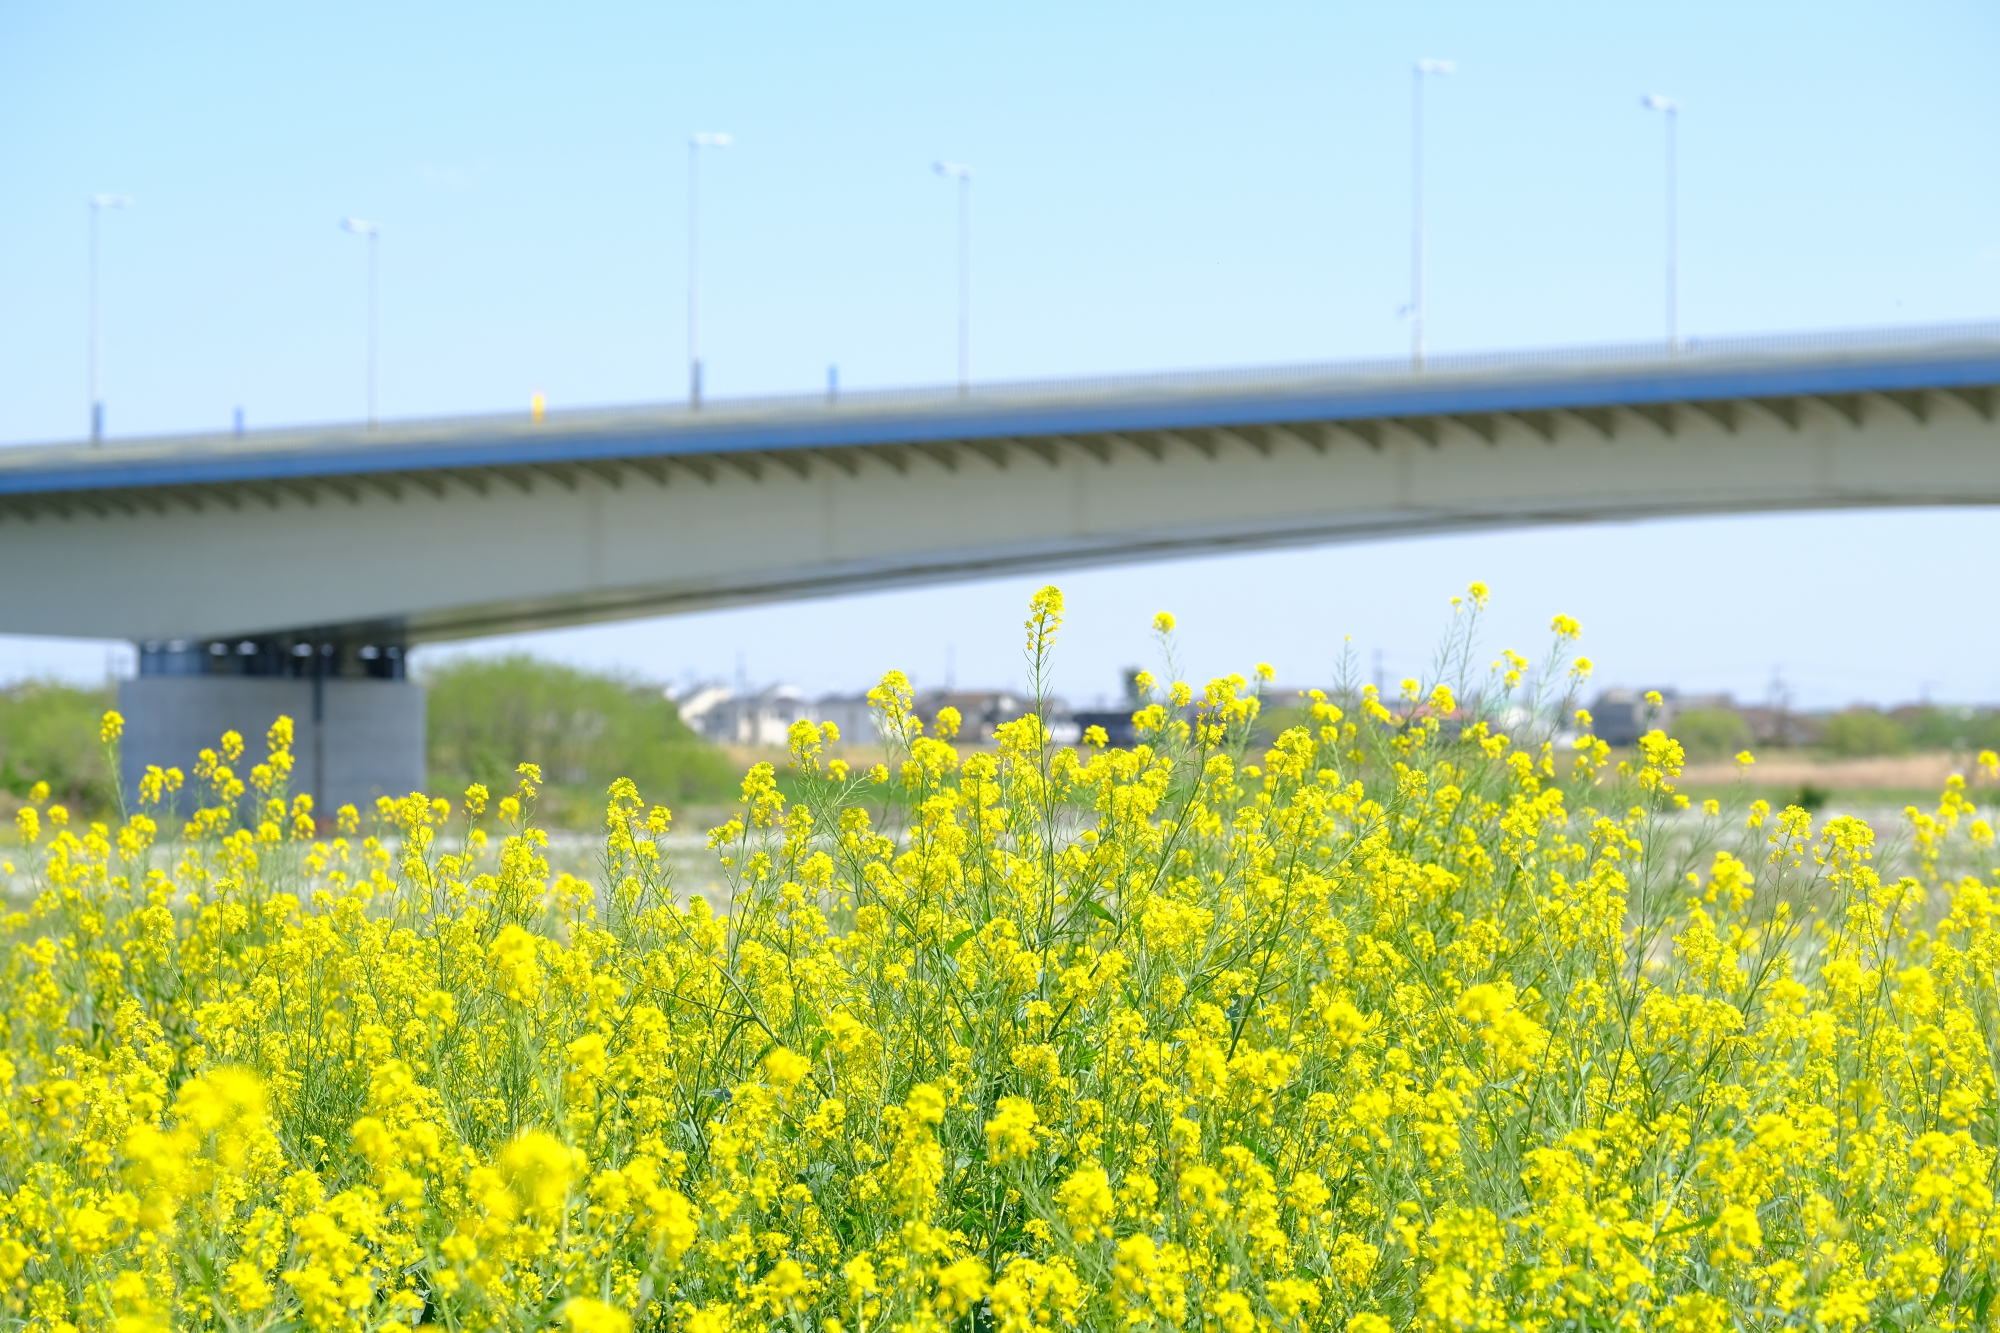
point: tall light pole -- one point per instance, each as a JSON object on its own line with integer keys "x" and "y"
{"x": 1421, "y": 70}
{"x": 1672, "y": 110}
{"x": 696, "y": 142}
{"x": 98, "y": 203}
{"x": 361, "y": 227}
{"x": 963, "y": 175}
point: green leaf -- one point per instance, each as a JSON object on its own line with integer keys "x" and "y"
{"x": 1699, "y": 1224}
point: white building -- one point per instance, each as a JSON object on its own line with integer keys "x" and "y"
{"x": 851, "y": 714}
{"x": 763, "y": 718}
{"x": 766, "y": 717}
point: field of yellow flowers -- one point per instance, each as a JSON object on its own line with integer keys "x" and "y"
{"x": 1401, "y": 1023}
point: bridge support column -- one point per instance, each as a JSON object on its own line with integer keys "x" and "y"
{"x": 356, "y": 736}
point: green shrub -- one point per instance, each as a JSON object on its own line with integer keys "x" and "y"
{"x": 48, "y": 733}
{"x": 1864, "y": 731}
{"x": 1711, "y": 733}
{"x": 489, "y": 713}
{"x": 1953, "y": 727}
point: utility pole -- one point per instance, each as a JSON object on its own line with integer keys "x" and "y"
{"x": 374, "y": 234}
{"x": 963, "y": 175}
{"x": 696, "y": 142}
{"x": 1672, "y": 110}
{"x": 98, "y": 203}
{"x": 1419, "y": 71}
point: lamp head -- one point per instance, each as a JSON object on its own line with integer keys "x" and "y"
{"x": 710, "y": 139}
{"x": 111, "y": 201}
{"x": 360, "y": 227}
{"x": 1436, "y": 67}
{"x": 955, "y": 170}
{"x": 1655, "y": 102}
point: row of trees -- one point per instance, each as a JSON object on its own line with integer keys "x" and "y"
{"x": 1714, "y": 733}
{"x": 584, "y": 729}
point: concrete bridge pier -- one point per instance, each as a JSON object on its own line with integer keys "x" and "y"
{"x": 357, "y": 719}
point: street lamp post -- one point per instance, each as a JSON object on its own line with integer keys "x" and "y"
{"x": 696, "y": 142}
{"x": 963, "y": 175}
{"x": 98, "y": 203}
{"x": 361, "y": 227}
{"x": 1672, "y": 111}
{"x": 1421, "y": 69}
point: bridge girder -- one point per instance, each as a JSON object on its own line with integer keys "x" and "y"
{"x": 468, "y": 541}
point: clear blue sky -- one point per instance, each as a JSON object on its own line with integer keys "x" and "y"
{"x": 1157, "y": 186}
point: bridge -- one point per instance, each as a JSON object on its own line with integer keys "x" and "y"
{"x": 313, "y": 559}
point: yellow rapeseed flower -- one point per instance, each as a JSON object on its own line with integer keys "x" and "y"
{"x": 583, "y": 1314}
{"x": 1383, "y": 1019}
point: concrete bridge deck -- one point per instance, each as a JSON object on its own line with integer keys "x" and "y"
{"x": 443, "y": 529}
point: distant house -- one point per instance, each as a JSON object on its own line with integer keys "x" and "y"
{"x": 1708, "y": 703}
{"x": 762, "y": 718}
{"x": 1621, "y": 716}
{"x": 1782, "y": 726}
{"x": 980, "y": 712}
{"x": 696, "y": 701}
{"x": 1116, "y": 722}
{"x": 851, "y": 714}
{"x": 766, "y": 717}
